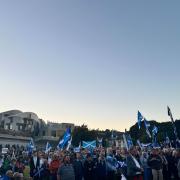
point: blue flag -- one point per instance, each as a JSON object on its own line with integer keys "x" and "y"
{"x": 139, "y": 118}
{"x": 31, "y": 146}
{"x": 89, "y": 144}
{"x": 147, "y": 125}
{"x": 155, "y": 130}
{"x": 48, "y": 147}
{"x": 63, "y": 142}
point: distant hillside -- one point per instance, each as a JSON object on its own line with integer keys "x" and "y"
{"x": 163, "y": 127}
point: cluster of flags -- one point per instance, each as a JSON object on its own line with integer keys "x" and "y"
{"x": 154, "y": 132}
{"x": 147, "y": 125}
{"x": 65, "y": 142}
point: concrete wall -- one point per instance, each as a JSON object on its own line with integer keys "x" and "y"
{"x": 11, "y": 140}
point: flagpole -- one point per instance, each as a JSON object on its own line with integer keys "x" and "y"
{"x": 173, "y": 123}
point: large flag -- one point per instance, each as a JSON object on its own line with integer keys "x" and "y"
{"x": 89, "y": 144}
{"x": 69, "y": 144}
{"x": 147, "y": 125}
{"x": 127, "y": 141}
{"x": 139, "y": 119}
{"x": 48, "y": 147}
{"x": 63, "y": 142}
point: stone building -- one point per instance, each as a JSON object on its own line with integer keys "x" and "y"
{"x": 16, "y": 125}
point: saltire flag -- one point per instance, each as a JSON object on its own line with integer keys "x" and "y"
{"x": 155, "y": 130}
{"x": 48, "y": 147}
{"x": 63, "y": 142}
{"x": 31, "y": 146}
{"x": 89, "y": 144}
{"x": 146, "y": 145}
{"x": 139, "y": 119}
{"x": 127, "y": 140}
{"x": 147, "y": 125}
{"x": 69, "y": 144}
{"x": 120, "y": 164}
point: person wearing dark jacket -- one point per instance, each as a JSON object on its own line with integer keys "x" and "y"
{"x": 78, "y": 167}
{"x": 156, "y": 164}
{"x": 101, "y": 168}
{"x": 34, "y": 165}
{"x": 89, "y": 168}
{"x": 134, "y": 169}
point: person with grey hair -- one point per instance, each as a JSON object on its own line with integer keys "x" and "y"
{"x": 66, "y": 170}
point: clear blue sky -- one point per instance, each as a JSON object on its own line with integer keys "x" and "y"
{"x": 92, "y": 62}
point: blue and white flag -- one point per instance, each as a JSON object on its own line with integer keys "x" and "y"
{"x": 120, "y": 164}
{"x": 155, "y": 130}
{"x": 147, "y": 125}
{"x": 31, "y": 146}
{"x": 69, "y": 144}
{"x": 63, "y": 142}
{"x": 139, "y": 119}
{"x": 146, "y": 145}
{"x": 89, "y": 144}
{"x": 48, "y": 147}
{"x": 129, "y": 141}
{"x": 77, "y": 149}
{"x": 139, "y": 143}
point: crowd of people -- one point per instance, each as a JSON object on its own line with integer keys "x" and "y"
{"x": 91, "y": 164}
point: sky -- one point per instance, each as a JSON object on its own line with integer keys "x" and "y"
{"x": 91, "y": 62}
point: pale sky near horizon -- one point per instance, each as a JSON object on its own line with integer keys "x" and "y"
{"x": 92, "y": 62}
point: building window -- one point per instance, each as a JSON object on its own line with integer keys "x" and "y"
{"x": 10, "y": 127}
{"x": 53, "y": 133}
{"x": 20, "y": 127}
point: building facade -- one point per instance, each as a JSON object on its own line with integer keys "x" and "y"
{"x": 28, "y": 124}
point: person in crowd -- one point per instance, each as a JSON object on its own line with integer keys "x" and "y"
{"x": 178, "y": 163}
{"x": 156, "y": 164}
{"x": 165, "y": 164}
{"x": 78, "y": 167}
{"x": 101, "y": 167}
{"x": 134, "y": 169}
{"x": 53, "y": 167}
{"x": 88, "y": 167}
{"x": 111, "y": 162}
{"x": 34, "y": 165}
{"x": 146, "y": 168}
{"x": 19, "y": 166}
{"x": 66, "y": 170}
